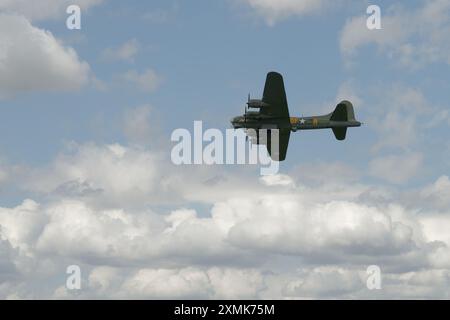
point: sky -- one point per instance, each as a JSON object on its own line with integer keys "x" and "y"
{"x": 86, "y": 177}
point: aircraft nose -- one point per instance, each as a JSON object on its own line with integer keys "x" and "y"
{"x": 235, "y": 121}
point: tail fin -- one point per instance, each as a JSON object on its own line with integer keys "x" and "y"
{"x": 343, "y": 112}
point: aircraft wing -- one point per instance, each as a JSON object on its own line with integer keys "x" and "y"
{"x": 280, "y": 154}
{"x": 275, "y": 96}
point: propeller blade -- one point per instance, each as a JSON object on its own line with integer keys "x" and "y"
{"x": 245, "y": 114}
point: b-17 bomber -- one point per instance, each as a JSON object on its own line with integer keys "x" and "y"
{"x": 273, "y": 114}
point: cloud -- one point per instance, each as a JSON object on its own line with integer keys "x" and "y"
{"x": 44, "y": 9}
{"x": 161, "y": 283}
{"x": 396, "y": 168}
{"x": 277, "y": 180}
{"x": 331, "y": 173}
{"x": 32, "y": 59}
{"x": 128, "y": 218}
{"x": 103, "y": 235}
{"x": 21, "y": 224}
{"x": 281, "y": 218}
{"x": 435, "y": 227}
{"x": 402, "y": 117}
{"x": 216, "y": 283}
{"x": 437, "y": 193}
{"x": 110, "y": 174}
{"x": 346, "y": 91}
{"x": 277, "y": 10}
{"x": 127, "y": 251}
{"x": 8, "y": 270}
{"x": 125, "y": 52}
{"x": 398, "y": 115}
{"x": 139, "y": 128}
{"x": 147, "y": 81}
{"x": 412, "y": 37}
{"x": 323, "y": 282}
{"x": 333, "y": 229}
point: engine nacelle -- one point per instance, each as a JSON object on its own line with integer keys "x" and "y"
{"x": 257, "y": 104}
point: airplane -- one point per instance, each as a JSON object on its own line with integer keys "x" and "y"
{"x": 274, "y": 114}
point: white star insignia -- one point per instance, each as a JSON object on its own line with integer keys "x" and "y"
{"x": 302, "y": 121}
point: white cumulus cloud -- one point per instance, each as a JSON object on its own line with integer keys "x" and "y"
{"x": 32, "y": 59}
{"x": 413, "y": 38}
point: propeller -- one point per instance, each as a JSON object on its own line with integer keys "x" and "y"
{"x": 245, "y": 114}
{"x": 246, "y": 109}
